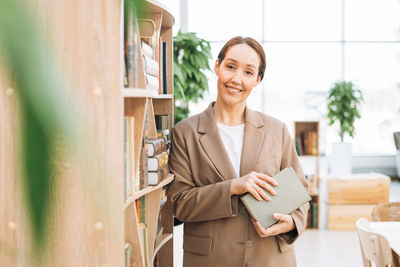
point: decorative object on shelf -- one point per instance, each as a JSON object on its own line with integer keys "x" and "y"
{"x": 344, "y": 100}
{"x": 191, "y": 60}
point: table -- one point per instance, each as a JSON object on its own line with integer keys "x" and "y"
{"x": 390, "y": 230}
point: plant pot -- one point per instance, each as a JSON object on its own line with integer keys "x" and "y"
{"x": 340, "y": 159}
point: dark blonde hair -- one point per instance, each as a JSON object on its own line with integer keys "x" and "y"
{"x": 250, "y": 42}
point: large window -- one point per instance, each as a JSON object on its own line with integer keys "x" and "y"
{"x": 310, "y": 44}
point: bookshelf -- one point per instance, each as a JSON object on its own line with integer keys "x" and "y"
{"x": 306, "y": 140}
{"x": 93, "y": 219}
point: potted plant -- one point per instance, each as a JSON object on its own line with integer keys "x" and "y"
{"x": 344, "y": 101}
{"x": 191, "y": 60}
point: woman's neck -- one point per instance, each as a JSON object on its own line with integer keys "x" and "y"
{"x": 229, "y": 115}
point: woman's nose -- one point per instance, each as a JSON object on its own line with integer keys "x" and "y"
{"x": 236, "y": 77}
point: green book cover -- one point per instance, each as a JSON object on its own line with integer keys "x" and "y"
{"x": 290, "y": 194}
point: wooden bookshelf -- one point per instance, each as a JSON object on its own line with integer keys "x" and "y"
{"x": 92, "y": 219}
{"x": 136, "y": 102}
{"x": 306, "y": 140}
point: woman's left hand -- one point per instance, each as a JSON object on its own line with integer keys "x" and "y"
{"x": 285, "y": 224}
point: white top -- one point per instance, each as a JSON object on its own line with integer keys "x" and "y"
{"x": 232, "y": 137}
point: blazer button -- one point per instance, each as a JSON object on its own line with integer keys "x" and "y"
{"x": 249, "y": 243}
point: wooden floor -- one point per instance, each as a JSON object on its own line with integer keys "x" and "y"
{"x": 314, "y": 248}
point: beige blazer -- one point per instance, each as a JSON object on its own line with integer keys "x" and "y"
{"x": 217, "y": 229}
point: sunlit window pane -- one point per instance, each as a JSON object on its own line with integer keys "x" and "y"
{"x": 373, "y": 66}
{"x": 372, "y": 19}
{"x": 303, "y": 20}
{"x": 224, "y": 19}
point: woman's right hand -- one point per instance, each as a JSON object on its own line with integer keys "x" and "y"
{"x": 252, "y": 183}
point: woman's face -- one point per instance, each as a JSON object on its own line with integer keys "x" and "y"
{"x": 237, "y": 74}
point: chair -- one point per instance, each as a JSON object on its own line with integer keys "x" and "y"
{"x": 386, "y": 212}
{"x": 374, "y": 247}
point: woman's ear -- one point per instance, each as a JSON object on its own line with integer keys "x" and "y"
{"x": 258, "y": 79}
{"x": 216, "y": 67}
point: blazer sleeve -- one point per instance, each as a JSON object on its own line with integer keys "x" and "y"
{"x": 191, "y": 203}
{"x": 290, "y": 158}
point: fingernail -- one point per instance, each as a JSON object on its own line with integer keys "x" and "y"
{"x": 274, "y": 192}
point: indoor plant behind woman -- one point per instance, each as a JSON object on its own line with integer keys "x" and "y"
{"x": 344, "y": 100}
{"x": 224, "y": 152}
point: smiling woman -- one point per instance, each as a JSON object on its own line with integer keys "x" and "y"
{"x": 215, "y": 157}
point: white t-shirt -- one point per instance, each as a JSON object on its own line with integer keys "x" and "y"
{"x": 232, "y": 137}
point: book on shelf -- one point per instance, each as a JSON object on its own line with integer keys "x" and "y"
{"x": 314, "y": 214}
{"x": 154, "y": 177}
{"x": 143, "y": 236}
{"x": 155, "y": 146}
{"x": 131, "y": 42}
{"x": 163, "y": 76}
{"x": 150, "y": 66}
{"x": 126, "y": 160}
{"x": 290, "y": 195}
{"x": 160, "y": 90}
{"x": 147, "y": 50}
{"x": 157, "y": 162}
{"x": 307, "y": 143}
{"x": 141, "y": 209}
{"x": 142, "y": 170}
{"x": 152, "y": 82}
{"x": 128, "y": 255}
{"x": 162, "y": 121}
{"x": 129, "y": 155}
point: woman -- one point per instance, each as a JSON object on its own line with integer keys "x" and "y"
{"x": 224, "y": 152}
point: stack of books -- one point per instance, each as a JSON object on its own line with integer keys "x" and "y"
{"x": 157, "y": 162}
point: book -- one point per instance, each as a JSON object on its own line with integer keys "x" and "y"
{"x": 147, "y": 50}
{"x": 128, "y": 255}
{"x": 141, "y": 170}
{"x": 157, "y": 162}
{"x": 150, "y": 66}
{"x": 155, "y": 177}
{"x": 130, "y": 46}
{"x": 162, "y": 121}
{"x": 144, "y": 243}
{"x": 290, "y": 195}
{"x": 156, "y": 146}
{"x": 152, "y": 82}
{"x": 163, "y": 76}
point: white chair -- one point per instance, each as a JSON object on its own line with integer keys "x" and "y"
{"x": 374, "y": 247}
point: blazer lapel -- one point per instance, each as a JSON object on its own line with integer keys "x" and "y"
{"x": 212, "y": 144}
{"x": 252, "y": 141}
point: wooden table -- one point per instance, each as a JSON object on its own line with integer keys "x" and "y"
{"x": 390, "y": 230}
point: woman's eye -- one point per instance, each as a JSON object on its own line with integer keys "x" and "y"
{"x": 249, "y": 73}
{"x": 230, "y": 67}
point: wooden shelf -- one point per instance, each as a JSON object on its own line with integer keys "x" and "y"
{"x": 164, "y": 96}
{"x": 308, "y": 131}
{"x": 137, "y": 92}
{"x": 159, "y": 244}
{"x": 148, "y": 189}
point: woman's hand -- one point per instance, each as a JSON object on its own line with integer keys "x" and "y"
{"x": 252, "y": 183}
{"x": 285, "y": 224}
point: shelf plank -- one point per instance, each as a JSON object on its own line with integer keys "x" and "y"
{"x": 137, "y": 92}
{"x": 164, "y": 96}
{"x": 148, "y": 190}
{"x": 160, "y": 243}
